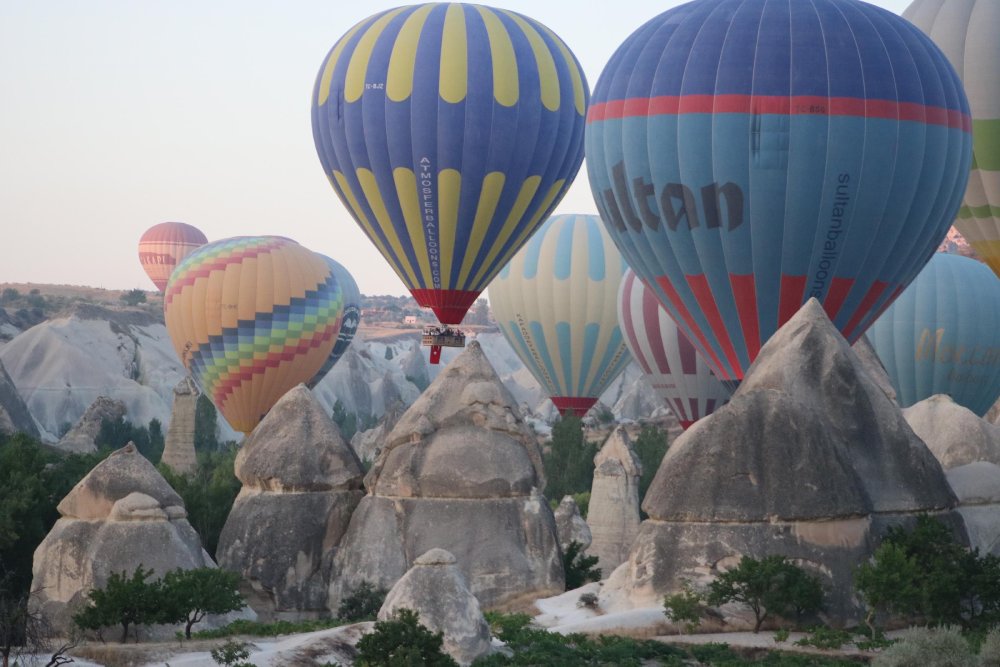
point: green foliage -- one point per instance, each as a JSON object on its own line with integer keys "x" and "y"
{"x": 191, "y": 594}
{"x": 989, "y": 650}
{"x": 362, "y": 604}
{"x": 588, "y": 600}
{"x": 772, "y": 586}
{"x": 684, "y": 607}
{"x": 128, "y": 601}
{"x": 928, "y": 647}
{"x": 148, "y": 439}
{"x": 232, "y": 654}
{"x": 569, "y": 459}
{"x": 133, "y": 297}
{"x": 388, "y": 353}
{"x": 258, "y": 629}
{"x": 826, "y": 638}
{"x": 605, "y": 416}
{"x": 578, "y": 567}
{"x": 781, "y": 636}
{"x": 206, "y": 426}
{"x": 650, "y": 446}
{"x": 923, "y": 574}
{"x": 350, "y": 423}
{"x": 714, "y": 653}
{"x": 208, "y": 494}
{"x": 582, "y": 501}
{"x": 400, "y": 642}
{"x": 9, "y": 295}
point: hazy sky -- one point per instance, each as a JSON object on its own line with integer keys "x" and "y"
{"x": 117, "y": 115}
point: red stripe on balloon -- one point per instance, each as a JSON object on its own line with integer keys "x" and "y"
{"x": 866, "y": 305}
{"x": 218, "y": 264}
{"x": 839, "y": 288}
{"x": 689, "y": 355}
{"x": 745, "y": 293}
{"x": 703, "y": 294}
{"x": 795, "y": 105}
{"x": 677, "y": 303}
{"x": 790, "y": 297}
{"x": 651, "y": 323}
{"x": 628, "y": 321}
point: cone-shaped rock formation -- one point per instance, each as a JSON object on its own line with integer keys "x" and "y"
{"x": 955, "y": 434}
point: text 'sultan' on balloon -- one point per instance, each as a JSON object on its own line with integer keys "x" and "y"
{"x": 966, "y": 30}
{"x": 747, "y": 156}
{"x": 556, "y": 304}
{"x": 162, "y": 247}
{"x": 673, "y": 367}
{"x": 450, "y": 132}
{"x": 251, "y": 317}
{"x": 349, "y": 322}
{"x": 942, "y": 335}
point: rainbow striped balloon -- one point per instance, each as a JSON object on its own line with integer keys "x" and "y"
{"x": 450, "y": 132}
{"x": 556, "y": 303}
{"x": 251, "y": 317}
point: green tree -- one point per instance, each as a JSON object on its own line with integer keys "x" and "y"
{"x": 401, "y": 642}
{"x": 346, "y": 421}
{"x": 650, "y": 446}
{"x": 208, "y": 494}
{"x": 24, "y": 507}
{"x": 128, "y": 601}
{"x": 569, "y": 459}
{"x": 579, "y": 568}
{"x": 191, "y": 594}
{"x": 232, "y": 654}
{"x": 362, "y": 604}
{"x": 771, "y": 586}
{"x": 9, "y": 295}
{"x": 684, "y": 607}
{"x": 133, "y": 297}
{"x": 206, "y": 426}
{"x": 888, "y": 583}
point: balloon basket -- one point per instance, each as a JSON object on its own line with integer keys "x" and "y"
{"x": 438, "y": 338}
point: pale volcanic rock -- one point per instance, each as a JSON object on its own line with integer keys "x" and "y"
{"x": 613, "y": 512}
{"x": 82, "y": 438}
{"x": 810, "y": 459}
{"x": 178, "y": 448}
{"x": 14, "y": 414}
{"x": 977, "y": 486}
{"x": 954, "y": 434}
{"x": 121, "y": 515}
{"x": 460, "y": 471}
{"x": 436, "y": 589}
{"x": 571, "y": 526}
{"x": 301, "y": 482}
{"x": 873, "y": 365}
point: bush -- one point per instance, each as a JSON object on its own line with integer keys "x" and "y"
{"x": 258, "y": 629}
{"x": 781, "y": 636}
{"x": 928, "y": 647}
{"x": 989, "y": 650}
{"x": 402, "y": 641}
{"x": 684, "y": 607}
{"x": 232, "y": 654}
{"x": 579, "y": 568}
{"x": 587, "y": 600}
{"x": 362, "y": 604}
{"x": 772, "y": 586}
{"x": 191, "y": 594}
{"x": 582, "y": 501}
{"x": 133, "y": 297}
{"x": 824, "y": 637}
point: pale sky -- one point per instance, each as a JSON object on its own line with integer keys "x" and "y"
{"x": 117, "y": 115}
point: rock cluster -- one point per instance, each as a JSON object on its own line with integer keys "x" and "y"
{"x": 613, "y": 512}
{"x": 436, "y": 589}
{"x": 14, "y": 414}
{"x": 121, "y": 515}
{"x": 810, "y": 459}
{"x": 301, "y": 482}
{"x": 570, "y": 525}
{"x": 977, "y": 486}
{"x": 178, "y": 448}
{"x": 460, "y": 471}
{"x": 954, "y": 434}
{"x": 81, "y": 439}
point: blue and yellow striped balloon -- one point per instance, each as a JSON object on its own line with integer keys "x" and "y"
{"x": 449, "y": 131}
{"x": 557, "y": 305}
{"x": 349, "y": 322}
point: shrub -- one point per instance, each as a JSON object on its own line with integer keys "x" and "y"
{"x": 402, "y": 641}
{"x": 989, "y": 650}
{"x": 824, "y": 637}
{"x": 928, "y": 647}
{"x": 582, "y": 501}
{"x": 684, "y": 607}
{"x": 232, "y": 654}
{"x": 770, "y": 586}
{"x": 133, "y": 297}
{"x": 587, "y": 600}
{"x": 362, "y": 604}
{"x": 781, "y": 636}
{"x": 258, "y": 629}
{"x": 579, "y": 568}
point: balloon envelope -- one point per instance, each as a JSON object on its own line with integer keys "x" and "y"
{"x": 251, "y": 317}
{"x": 674, "y": 369}
{"x": 966, "y": 30}
{"x": 162, "y": 247}
{"x": 348, "y": 323}
{"x": 749, "y": 155}
{"x": 942, "y": 335}
{"x": 450, "y": 132}
{"x": 556, "y": 305}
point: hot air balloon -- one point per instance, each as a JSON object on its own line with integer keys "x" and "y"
{"x": 449, "y": 131}
{"x": 163, "y": 246}
{"x": 349, "y": 322}
{"x": 251, "y": 317}
{"x": 942, "y": 335}
{"x": 749, "y": 155}
{"x": 966, "y": 32}
{"x": 556, "y": 303}
{"x": 674, "y": 369}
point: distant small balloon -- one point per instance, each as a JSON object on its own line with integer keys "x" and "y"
{"x": 942, "y": 335}
{"x": 674, "y": 368}
{"x": 251, "y": 317}
{"x": 556, "y": 304}
{"x": 162, "y": 247}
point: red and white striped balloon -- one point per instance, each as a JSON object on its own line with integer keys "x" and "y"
{"x": 673, "y": 366}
